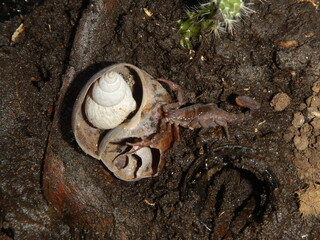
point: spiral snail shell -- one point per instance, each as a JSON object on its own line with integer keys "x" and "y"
{"x": 110, "y": 94}
{"x": 134, "y": 113}
{"x": 126, "y": 164}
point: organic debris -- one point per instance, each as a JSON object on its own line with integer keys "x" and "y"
{"x": 16, "y": 34}
{"x": 309, "y": 200}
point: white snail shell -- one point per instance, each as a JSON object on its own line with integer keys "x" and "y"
{"x": 146, "y": 96}
{"x": 110, "y": 94}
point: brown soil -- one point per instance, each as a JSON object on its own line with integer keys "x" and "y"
{"x": 262, "y": 183}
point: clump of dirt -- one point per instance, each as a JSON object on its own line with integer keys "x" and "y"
{"x": 305, "y": 136}
{"x": 280, "y": 102}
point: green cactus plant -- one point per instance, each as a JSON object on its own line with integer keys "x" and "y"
{"x": 211, "y": 17}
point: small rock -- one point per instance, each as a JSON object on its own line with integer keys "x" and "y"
{"x": 312, "y": 141}
{"x": 280, "y": 102}
{"x": 316, "y": 123}
{"x": 300, "y": 142}
{"x": 296, "y": 59}
{"x": 313, "y": 101}
{"x": 302, "y": 106}
{"x": 298, "y": 120}
{"x": 316, "y": 87}
{"x": 313, "y": 112}
{"x": 306, "y": 129}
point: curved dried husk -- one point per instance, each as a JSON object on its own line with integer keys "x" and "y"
{"x": 108, "y": 145}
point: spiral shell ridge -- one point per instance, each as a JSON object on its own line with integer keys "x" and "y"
{"x": 111, "y": 101}
{"x": 110, "y": 90}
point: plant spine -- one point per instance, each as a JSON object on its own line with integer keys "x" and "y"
{"x": 211, "y": 17}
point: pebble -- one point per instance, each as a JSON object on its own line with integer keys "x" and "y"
{"x": 313, "y": 112}
{"x": 280, "y": 102}
{"x": 316, "y": 87}
{"x": 316, "y": 123}
{"x": 300, "y": 142}
{"x": 298, "y": 120}
{"x": 313, "y": 101}
{"x": 302, "y": 106}
{"x": 306, "y": 129}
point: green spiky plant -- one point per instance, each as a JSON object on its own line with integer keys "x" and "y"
{"x": 211, "y": 17}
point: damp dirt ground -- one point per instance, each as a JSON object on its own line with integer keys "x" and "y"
{"x": 262, "y": 183}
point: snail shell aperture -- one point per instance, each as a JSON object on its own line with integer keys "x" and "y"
{"x": 136, "y": 113}
{"x": 110, "y": 94}
{"x": 143, "y": 156}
